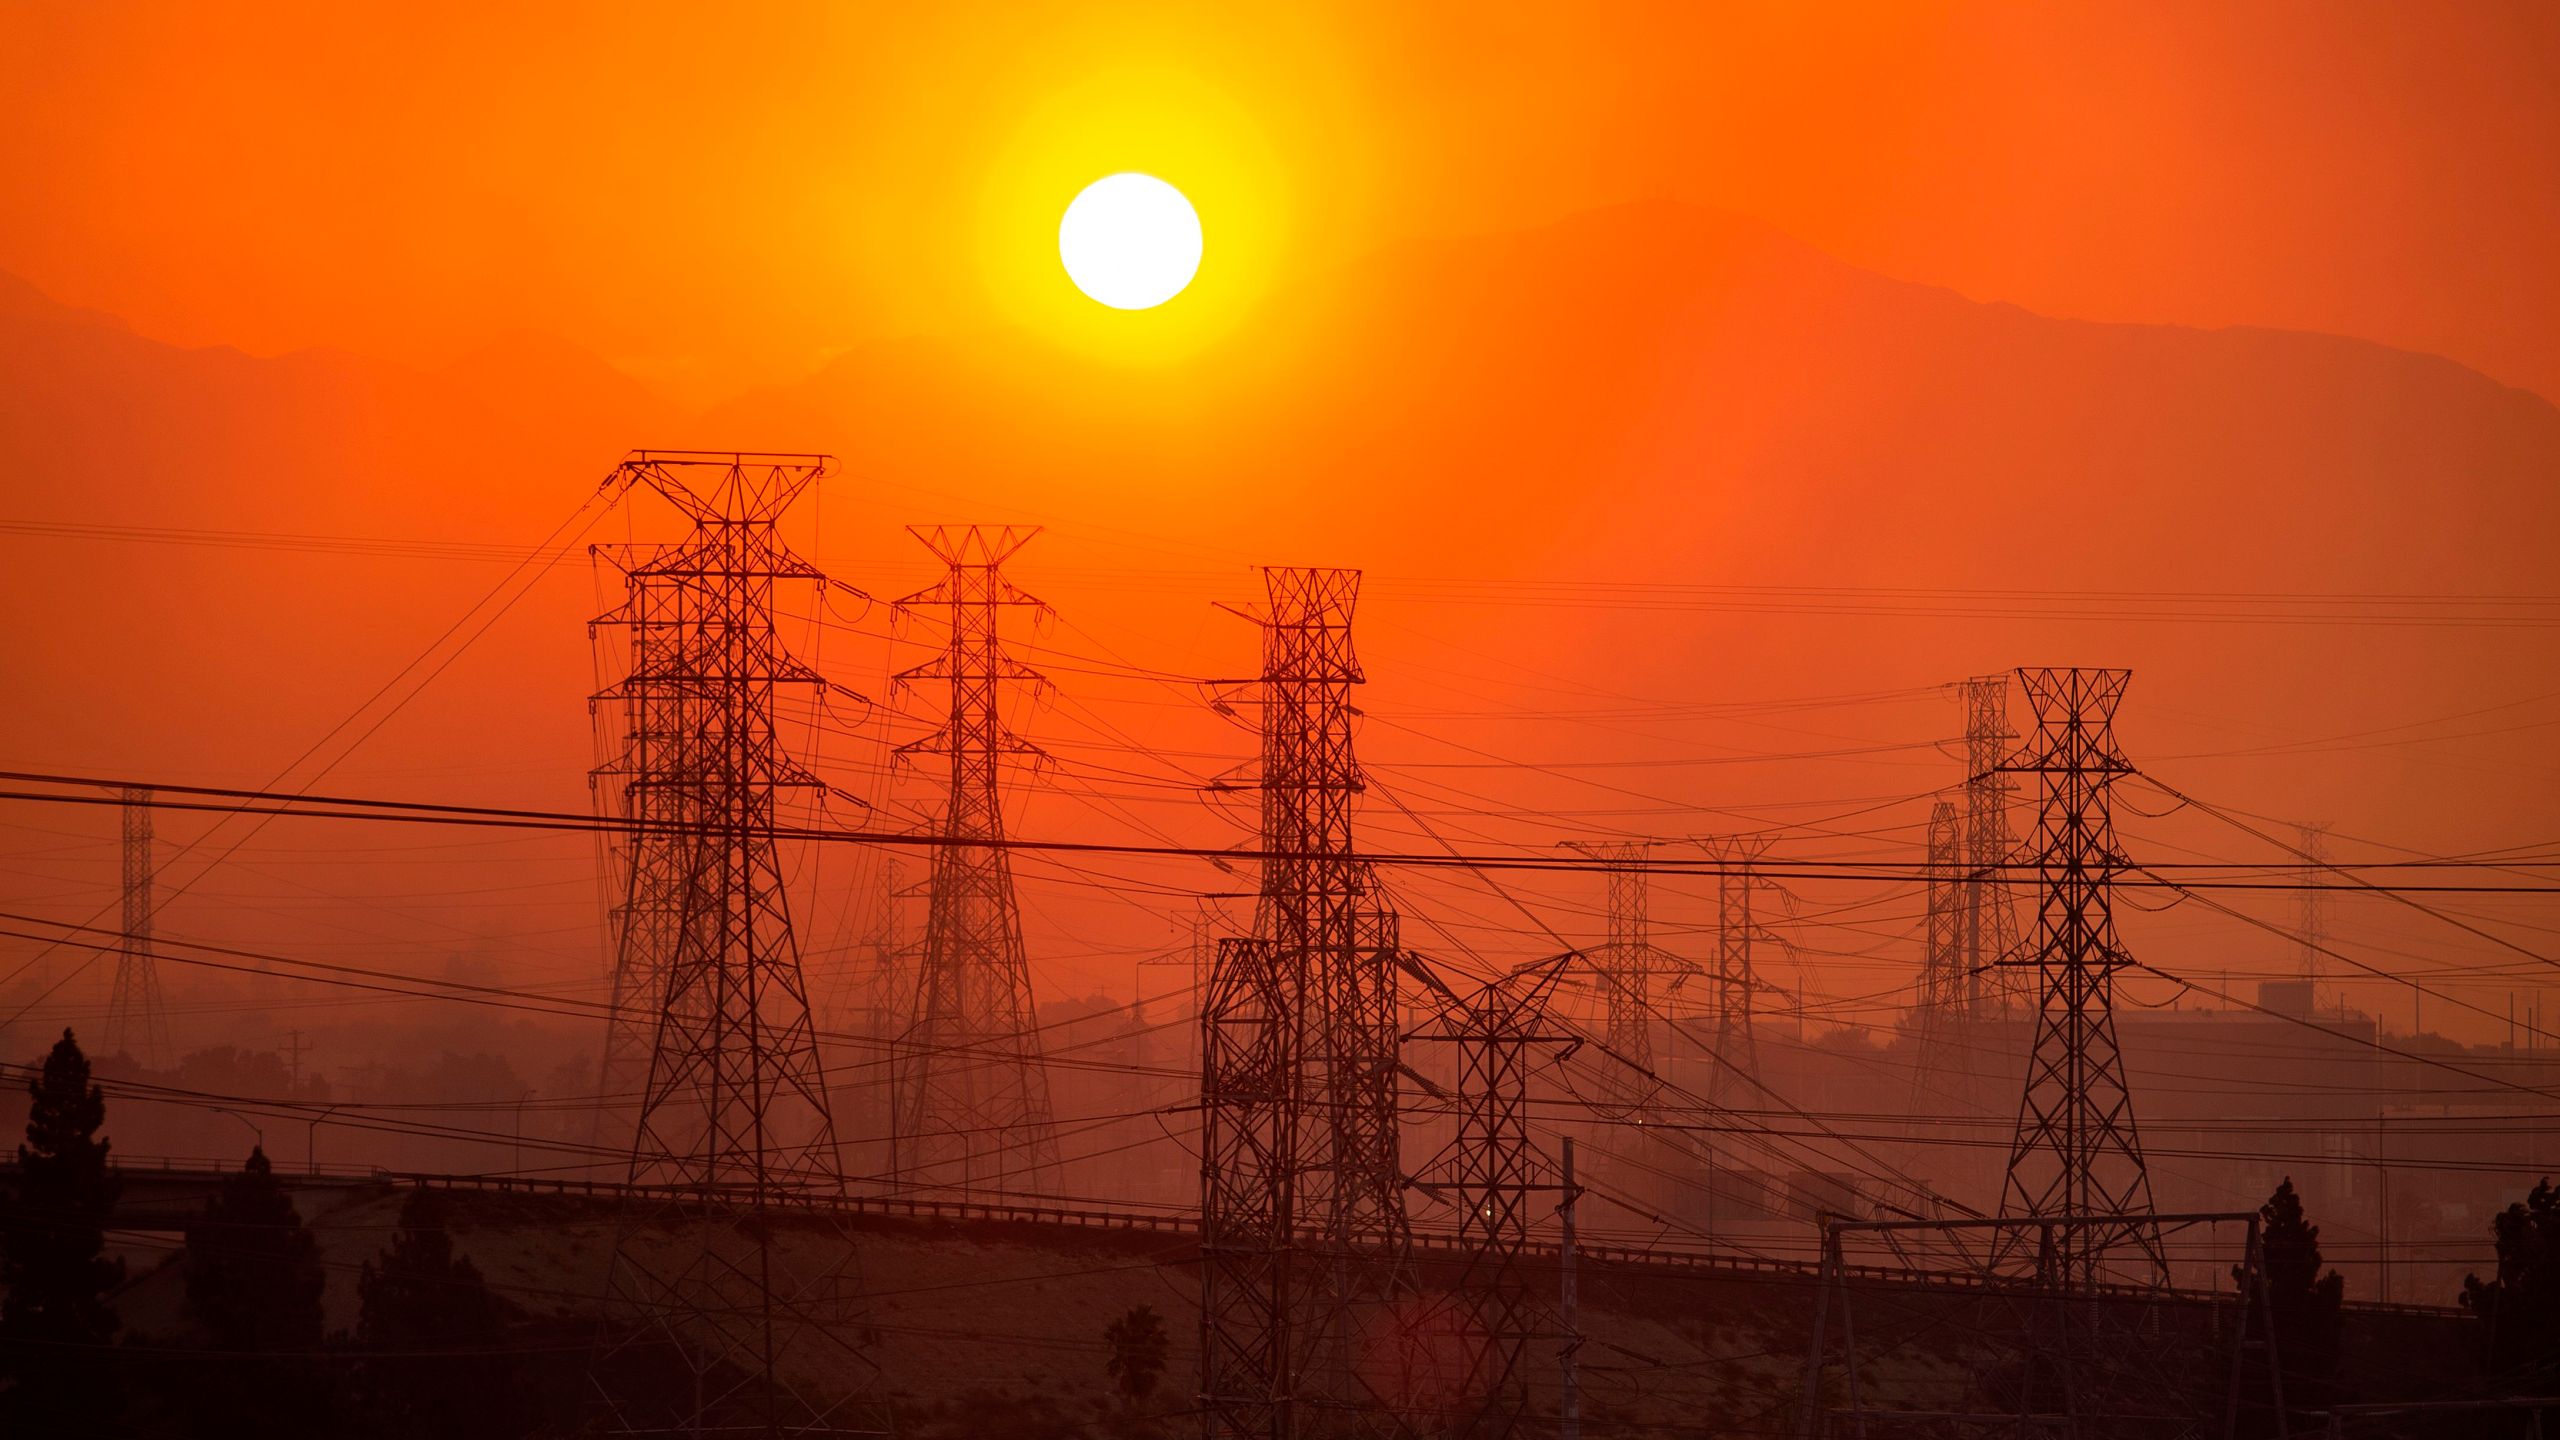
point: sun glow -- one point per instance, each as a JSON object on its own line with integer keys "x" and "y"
{"x": 1130, "y": 241}
{"x": 1146, "y": 118}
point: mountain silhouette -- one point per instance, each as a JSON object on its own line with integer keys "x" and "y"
{"x": 1716, "y": 395}
{"x": 1648, "y": 396}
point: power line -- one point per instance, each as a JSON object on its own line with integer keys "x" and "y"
{"x": 278, "y": 803}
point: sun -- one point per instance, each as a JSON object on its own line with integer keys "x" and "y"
{"x": 1130, "y": 241}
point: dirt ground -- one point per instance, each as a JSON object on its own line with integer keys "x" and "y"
{"x": 977, "y": 1329}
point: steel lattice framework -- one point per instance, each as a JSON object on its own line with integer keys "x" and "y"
{"x": 883, "y": 1000}
{"x": 1496, "y": 1312}
{"x": 1946, "y": 989}
{"x": 1627, "y": 964}
{"x": 137, "y": 1022}
{"x": 973, "y": 1098}
{"x": 734, "y": 1272}
{"x": 2309, "y": 920}
{"x": 1990, "y": 921}
{"x": 1303, "y": 1232}
{"x": 641, "y": 780}
{"x": 2077, "y": 1152}
{"x": 1734, "y": 995}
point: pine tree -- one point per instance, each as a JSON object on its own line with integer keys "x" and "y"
{"x": 436, "y": 1335}
{"x": 55, "y": 1326}
{"x": 254, "y": 1283}
{"x": 2521, "y": 1307}
{"x": 253, "y": 1271}
{"x": 2307, "y": 1305}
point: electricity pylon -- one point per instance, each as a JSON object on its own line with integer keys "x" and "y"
{"x": 1627, "y": 965}
{"x": 1989, "y": 921}
{"x": 726, "y": 1261}
{"x": 1194, "y": 957}
{"x": 869, "y": 998}
{"x": 1303, "y": 1233}
{"x": 1942, "y": 1073}
{"x": 137, "y": 1022}
{"x": 650, "y": 727}
{"x": 2308, "y": 920}
{"x": 2077, "y": 1151}
{"x": 973, "y": 1104}
{"x": 1492, "y": 1174}
{"x": 882, "y": 1001}
{"x": 1733, "y": 996}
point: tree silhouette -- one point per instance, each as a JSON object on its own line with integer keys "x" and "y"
{"x": 254, "y": 1283}
{"x": 2306, "y": 1307}
{"x": 55, "y": 1326}
{"x": 1138, "y": 1345}
{"x": 434, "y": 1335}
{"x": 2521, "y": 1307}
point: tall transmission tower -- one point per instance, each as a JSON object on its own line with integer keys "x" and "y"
{"x": 137, "y": 1023}
{"x": 2077, "y": 1152}
{"x": 1989, "y": 920}
{"x": 1627, "y": 964}
{"x": 2309, "y": 920}
{"x": 869, "y": 997}
{"x": 973, "y": 1106}
{"x": 881, "y": 1001}
{"x": 1492, "y": 1175}
{"x": 1196, "y": 956}
{"x": 1946, "y": 989}
{"x": 642, "y": 780}
{"x": 1734, "y": 996}
{"x": 1303, "y": 1233}
{"x": 730, "y": 1270}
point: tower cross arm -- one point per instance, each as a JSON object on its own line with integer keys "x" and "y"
{"x": 948, "y": 591}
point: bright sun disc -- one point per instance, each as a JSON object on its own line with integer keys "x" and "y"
{"x": 1130, "y": 241}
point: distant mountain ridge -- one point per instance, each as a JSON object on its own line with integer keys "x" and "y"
{"x": 1648, "y": 357}
{"x": 1649, "y": 393}
{"x": 128, "y": 429}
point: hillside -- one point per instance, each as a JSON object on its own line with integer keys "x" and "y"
{"x": 982, "y": 1328}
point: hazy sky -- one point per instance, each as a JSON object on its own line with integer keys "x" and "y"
{"x": 1563, "y": 452}
{"x": 716, "y": 201}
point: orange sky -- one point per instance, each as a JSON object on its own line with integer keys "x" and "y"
{"x": 715, "y": 203}
{"x": 1492, "y": 300}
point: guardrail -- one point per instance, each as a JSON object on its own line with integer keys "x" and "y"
{"x": 1160, "y": 1221}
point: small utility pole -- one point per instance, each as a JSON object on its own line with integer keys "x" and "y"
{"x": 2382, "y": 1197}
{"x": 311, "y": 1139}
{"x": 519, "y": 1146}
{"x": 1570, "y": 1412}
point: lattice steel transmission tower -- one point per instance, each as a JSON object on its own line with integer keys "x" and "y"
{"x": 726, "y": 1259}
{"x": 649, "y": 732}
{"x": 870, "y": 997}
{"x": 1946, "y": 989}
{"x": 883, "y": 999}
{"x": 973, "y": 1102}
{"x": 2077, "y": 1151}
{"x": 137, "y": 1022}
{"x": 1989, "y": 919}
{"x": 1195, "y": 957}
{"x": 1303, "y": 1233}
{"x": 2309, "y": 919}
{"x": 1734, "y": 995}
{"x": 1628, "y": 964}
{"x": 1497, "y": 1309}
